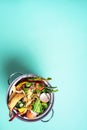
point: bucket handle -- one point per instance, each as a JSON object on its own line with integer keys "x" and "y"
{"x": 12, "y": 75}
{"x": 50, "y": 117}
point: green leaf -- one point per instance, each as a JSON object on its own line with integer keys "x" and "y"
{"x": 19, "y": 104}
{"x": 38, "y": 91}
{"x": 28, "y": 84}
{"x": 48, "y": 78}
{"x": 50, "y": 89}
{"x": 25, "y": 90}
{"x": 44, "y": 105}
{"x": 55, "y": 90}
{"x": 37, "y": 106}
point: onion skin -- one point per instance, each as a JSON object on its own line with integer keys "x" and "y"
{"x": 45, "y": 97}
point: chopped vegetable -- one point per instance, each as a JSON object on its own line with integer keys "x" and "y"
{"x": 48, "y": 78}
{"x": 22, "y": 109}
{"x": 50, "y": 89}
{"x": 55, "y": 90}
{"x": 28, "y": 84}
{"x": 25, "y": 99}
{"x": 19, "y": 104}
{"x": 44, "y": 105}
{"x": 14, "y": 100}
{"x": 20, "y": 85}
{"x": 25, "y": 90}
{"x": 29, "y": 107}
{"x": 31, "y": 114}
{"x": 45, "y": 97}
{"x": 37, "y": 106}
{"x": 37, "y": 91}
{"x": 39, "y": 86}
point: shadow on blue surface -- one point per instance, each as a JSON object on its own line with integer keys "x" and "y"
{"x": 17, "y": 64}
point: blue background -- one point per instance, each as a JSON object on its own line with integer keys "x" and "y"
{"x": 48, "y": 38}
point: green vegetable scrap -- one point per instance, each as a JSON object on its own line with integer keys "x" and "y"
{"x": 19, "y": 104}
{"x": 25, "y": 90}
{"x": 28, "y": 84}
{"x": 50, "y": 89}
{"x": 44, "y": 105}
{"x": 38, "y": 106}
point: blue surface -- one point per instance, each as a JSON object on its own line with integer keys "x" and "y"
{"x": 48, "y": 38}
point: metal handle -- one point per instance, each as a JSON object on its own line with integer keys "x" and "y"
{"x": 50, "y": 117}
{"x": 12, "y": 115}
{"x": 16, "y": 73}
